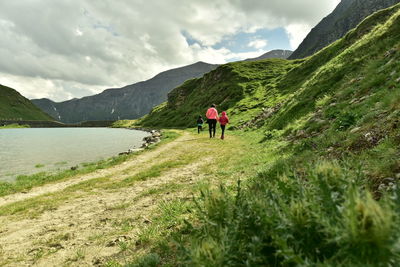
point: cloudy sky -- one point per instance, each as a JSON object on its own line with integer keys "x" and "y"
{"x": 61, "y": 49}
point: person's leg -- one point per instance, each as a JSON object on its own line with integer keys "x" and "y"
{"x": 223, "y": 131}
{"x": 210, "y": 128}
{"x": 214, "y": 127}
{"x": 198, "y": 129}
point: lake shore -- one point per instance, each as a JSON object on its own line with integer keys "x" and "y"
{"x": 110, "y": 215}
{"x": 28, "y": 141}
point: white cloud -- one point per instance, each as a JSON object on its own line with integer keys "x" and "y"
{"x": 297, "y": 33}
{"x": 258, "y": 44}
{"x": 69, "y": 48}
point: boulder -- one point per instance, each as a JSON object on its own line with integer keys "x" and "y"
{"x": 145, "y": 145}
{"x": 156, "y": 134}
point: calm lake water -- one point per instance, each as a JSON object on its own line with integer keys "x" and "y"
{"x": 27, "y": 151}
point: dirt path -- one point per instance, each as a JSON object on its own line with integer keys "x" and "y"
{"x": 88, "y": 229}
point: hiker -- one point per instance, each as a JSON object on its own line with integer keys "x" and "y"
{"x": 212, "y": 118}
{"x": 200, "y": 122}
{"x": 223, "y": 121}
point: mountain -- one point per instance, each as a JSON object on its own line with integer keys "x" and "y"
{"x": 273, "y": 54}
{"x": 14, "y": 106}
{"x": 129, "y": 102}
{"x": 345, "y": 17}
{"x": 327, "y": 130}
{"x": 247, "y": 89}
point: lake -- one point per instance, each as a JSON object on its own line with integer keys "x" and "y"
{"x": 32, "y": 150}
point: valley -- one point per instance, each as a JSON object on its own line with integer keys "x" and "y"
{"x": 308, "y": 174}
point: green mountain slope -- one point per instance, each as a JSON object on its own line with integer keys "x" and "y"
{"x": 238, "y": 87}
{"x": 244, "y": 89}
{"x": 14, "y": 106}
{"x": 329, "y": 193}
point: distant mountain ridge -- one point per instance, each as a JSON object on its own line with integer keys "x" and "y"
{"x": 129, "y": 102}
{"x": 346, "y": 16}
{"x": 13, "y": 106}
{"x": 278, "y": 53}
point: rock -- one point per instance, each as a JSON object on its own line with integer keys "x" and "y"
{"x": 389, "y": 180}
{"x": 97, "y": 261}
{"x": 119, "y": 239}
{"x": 398, "y": 80}
{"x": 382, "y": 187}
{"x": 355, "y": 80}
{"x": 74, "y": 168}
{"x": 145, "y": 145}
{"x": 156, "y": 134}
{"x": 111, "y": 244}
{"x": 390, "y": 62}
{"x": 301, "y": 133}
{"x": 355, "y": 129}
{"x": 354, "y": 100}
{"x": 123, "y": 153}
{"x": 56, "y": 246}
{"x": 390, "y": 52}
{"x": 134, "y": 150}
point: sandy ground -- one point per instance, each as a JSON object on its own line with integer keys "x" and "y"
{"x": 82, "y": 231}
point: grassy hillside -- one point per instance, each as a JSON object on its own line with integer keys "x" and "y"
{"x": 14, "y": 106}
{"x": 244, "y": 89}
{"x": 328, "y": 194}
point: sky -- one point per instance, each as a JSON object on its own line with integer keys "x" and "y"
{"x": 68, "y": 49}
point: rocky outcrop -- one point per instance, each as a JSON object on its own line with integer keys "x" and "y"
{"x": 283, "y": 54}
{"x": 154, "y": 138}
{"x": 347, "y": 15}
{"x": 130, "y": 102}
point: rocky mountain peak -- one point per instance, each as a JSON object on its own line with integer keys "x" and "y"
{"x": 346, "y": 16}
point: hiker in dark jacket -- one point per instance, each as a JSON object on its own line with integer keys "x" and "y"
{"x": 200, "y": 122}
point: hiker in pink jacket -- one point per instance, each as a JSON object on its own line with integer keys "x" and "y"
{"x": 223, "y": 121}
{"x": 212, "y": 118}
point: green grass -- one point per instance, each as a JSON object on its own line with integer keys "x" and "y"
{"x": 326, "y": 192}
{"x": 310, "y": 180}
{"x": 235, "y": 87}
{"x": 13, "y": 126}
{"x": 320, "y": 215}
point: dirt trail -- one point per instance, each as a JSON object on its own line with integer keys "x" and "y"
{"x": 85, "y": 231}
